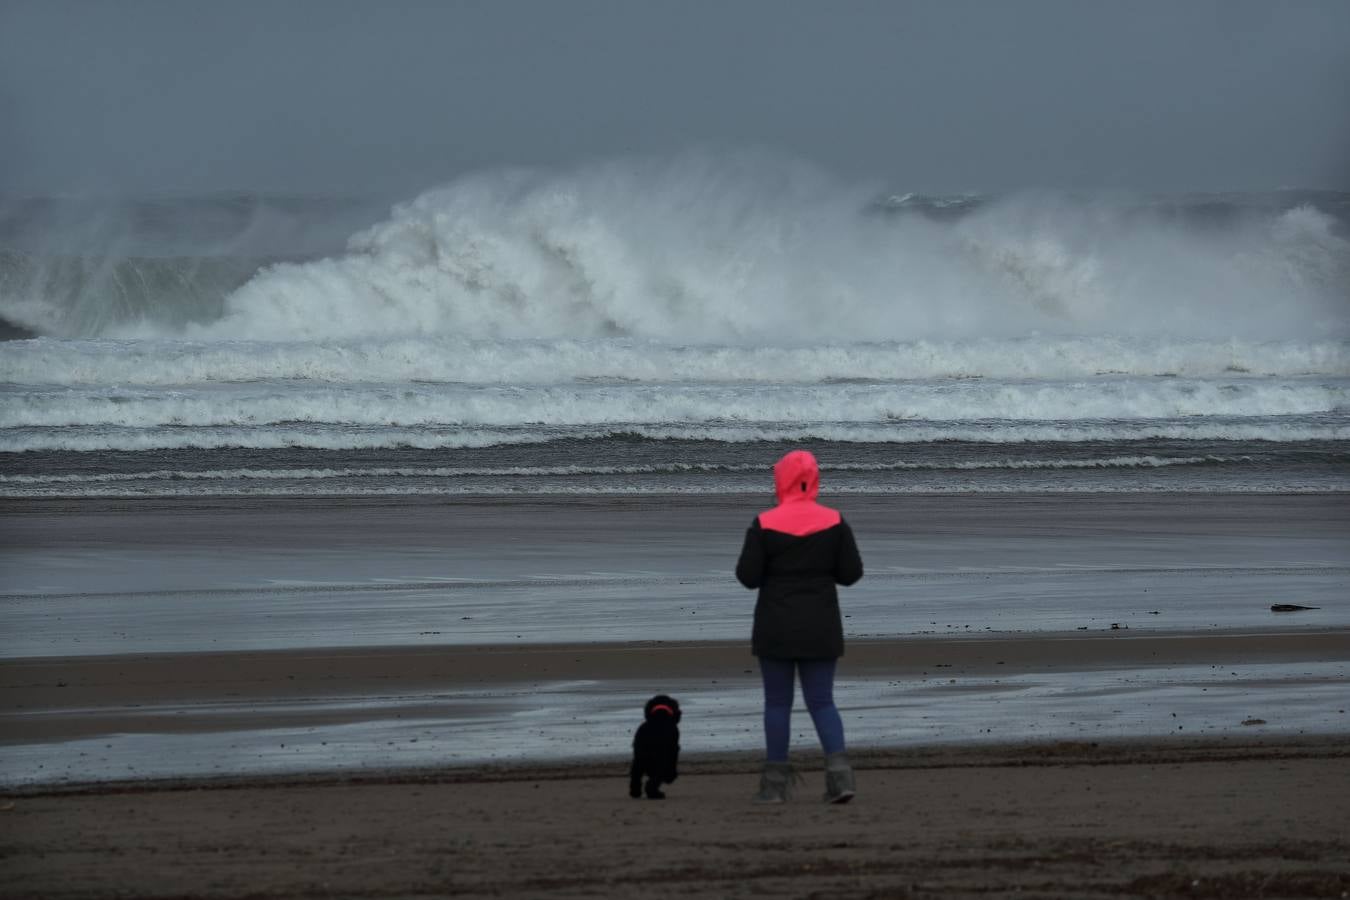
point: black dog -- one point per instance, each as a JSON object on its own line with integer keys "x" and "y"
{"x": 656, "y": 748}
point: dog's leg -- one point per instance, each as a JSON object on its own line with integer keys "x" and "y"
{"x": 635, "y": 779}
{"x": 654, "y": 790}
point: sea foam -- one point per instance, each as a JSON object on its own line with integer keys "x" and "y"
{"x": 664, "y": 255}
{"x": 745, "y": 249}
{"x": 163, "y": 362}
{"x": 459, "y": 406}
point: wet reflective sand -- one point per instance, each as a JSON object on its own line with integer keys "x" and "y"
{"x": 151, "y": 639}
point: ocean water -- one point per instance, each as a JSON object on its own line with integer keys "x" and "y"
{"x": 673, "y": 326}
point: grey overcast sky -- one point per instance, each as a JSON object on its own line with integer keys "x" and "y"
{"x": 316, "y": 96}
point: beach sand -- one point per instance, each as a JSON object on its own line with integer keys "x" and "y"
{"x": 134, "y": 576}
{"x": 1069, "y": 820}
{"x": 1046, "y": 696}
{"x": 59, "y": 699}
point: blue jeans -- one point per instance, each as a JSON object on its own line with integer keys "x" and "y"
{"x": 817, "y": 688}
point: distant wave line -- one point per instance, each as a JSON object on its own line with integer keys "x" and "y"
{"x": 1281, "y": 430}
{"x": 448, "y": 360}
{"x": 549, "y": 471}
{"x": 1285, "y": 485}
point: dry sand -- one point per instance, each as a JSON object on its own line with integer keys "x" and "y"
{"x": 1069, "y": 820}
{"x": 53, "y": 699}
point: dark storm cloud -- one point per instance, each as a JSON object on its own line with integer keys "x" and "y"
{"x": 368, "y": 97}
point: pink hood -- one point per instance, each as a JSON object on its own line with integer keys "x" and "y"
{"x": 796, "y": 478}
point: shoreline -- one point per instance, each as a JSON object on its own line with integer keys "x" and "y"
{"x": 740, "y": 500}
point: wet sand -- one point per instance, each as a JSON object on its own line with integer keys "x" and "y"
{"x": 84, "y": 719}
{"x": 218, "y": 636}
{"x": 123, "y": 577}
{"x": 66, "y": 697}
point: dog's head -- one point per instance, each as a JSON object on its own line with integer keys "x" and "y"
{"x": 661, "y": 705}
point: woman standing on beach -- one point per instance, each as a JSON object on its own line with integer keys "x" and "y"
{"x": 795, "y": 554}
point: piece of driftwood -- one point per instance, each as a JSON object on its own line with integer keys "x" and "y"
{"x": 1290, "y": 607}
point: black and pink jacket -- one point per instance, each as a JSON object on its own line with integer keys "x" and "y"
{"x": 795, "y": 554}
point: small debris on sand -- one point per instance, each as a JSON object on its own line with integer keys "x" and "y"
{"x": 1290, "y": 607}
{"x": 1253, "y": 721}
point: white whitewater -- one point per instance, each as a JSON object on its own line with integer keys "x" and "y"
{"x": 734, "y": 299}
{"x": 759, "y": 251}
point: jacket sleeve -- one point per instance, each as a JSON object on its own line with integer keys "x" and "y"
{"x": 750, "y": 567}
{"x": 848, "y": 565}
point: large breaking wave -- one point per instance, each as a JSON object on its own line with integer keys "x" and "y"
{"x": 750, "y": 249}
{"x": 739, "y": 300}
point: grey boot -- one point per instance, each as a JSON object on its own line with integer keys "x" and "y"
{"x": 839, "y": 784}
{"x": 775, "y": 783}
